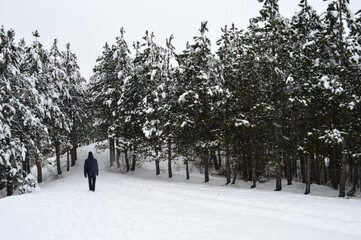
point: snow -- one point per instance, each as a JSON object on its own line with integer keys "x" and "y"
{"x": 242, "y": 122}
{"x": 326, "y": 81}
{"x": 154, "y": 72}
{"x": 310, "y": 43}
{"x": 150, "y": 110}
{"x": 148, "y": 132}
{"x": 120, "y": 74}
{"x": 332, "y": 136}
{"x": 332, "y": 84}
{"x": 126, "y": 80}
{"x": 351, "y": 105}
{"x": 139, "y": 205}
{"x": 182, "y": 98}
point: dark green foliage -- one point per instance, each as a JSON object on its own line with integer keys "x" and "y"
{"x": 37, "y": 87}
{"x": 279, "y": 99}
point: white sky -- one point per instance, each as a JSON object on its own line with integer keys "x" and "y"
{"x": 88, "y": 24}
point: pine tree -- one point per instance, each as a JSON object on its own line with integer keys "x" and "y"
{"x": 241, "y": 95}
{"x": 168, "y": 93}
{"x": 149, "y": 67}
{"x": 199, "y": 87}
{"x": 271, "y": 45}
{"x": 354, "y": 40}
{"x": 306, "y": 94}
{"x": 59, "y": 123}
{"x": 75, "y": 101}
{"x": 105, "y": 96}
{"x": 34, "y": 87}
{"x": 124, "y": 70}
{"x": 12, "y": 150}
{"x": 338, "y": 73}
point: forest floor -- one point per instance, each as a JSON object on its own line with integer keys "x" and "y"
{"x": 139, "y": 205}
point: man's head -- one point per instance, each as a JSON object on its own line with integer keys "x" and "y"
{"x": 90, "y": 155}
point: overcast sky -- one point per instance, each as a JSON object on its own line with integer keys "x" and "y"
{"x": 88, "y": 24}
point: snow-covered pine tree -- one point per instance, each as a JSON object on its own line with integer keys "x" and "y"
{"x": 112, "y": 96}
{"x": 75, "y": 103}
{"x": 338, "y": 75}
{"x": 199, "y": 86}
{"x": 149, "y": 64}
{"x": 271, "y": 45}
{"x": 123, "y": 68}
{"x": 35, "y": 71}
{"x": 354, "y": 105}
{"x": 169, "y": 100}
{"x": 33, "y": 89}
{"x": 306, "y": 94}
{"x": 59, "y": 123}
{"x": 134, "y": 89}
{"x": 230, "y": 54}
{"x": 12, "y": 150}
{"x": 30, "y": 123}
{"x": 105, "y": 97}
{"x": 248, "y": 122}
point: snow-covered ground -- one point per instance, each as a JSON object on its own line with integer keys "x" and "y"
{"x": 141, "y": 206}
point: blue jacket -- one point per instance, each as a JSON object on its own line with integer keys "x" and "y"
{"x": 91, "y": 167}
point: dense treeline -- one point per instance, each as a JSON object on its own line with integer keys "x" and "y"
{"x": 281, "y": 97}
{"x": 42, "y": 102}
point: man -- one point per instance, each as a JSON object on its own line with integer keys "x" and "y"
{"x": 91, "y": 170}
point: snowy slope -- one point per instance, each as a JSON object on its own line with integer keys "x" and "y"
{"x": 129, "y": 207}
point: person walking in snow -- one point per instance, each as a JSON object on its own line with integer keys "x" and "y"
{"x": 91, "y": 170}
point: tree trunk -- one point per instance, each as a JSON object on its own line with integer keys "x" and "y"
{"x": 278, "y": 169}
{"x": 170, "y": 173}
{"x": 254, "y": 175}
{"x": 111, "y": 152}
{"x": 26, "y": 163}
{"x": 134, "y": 158}
{"x": 9, "y": 186}
{"x": 316, "y": 172}
{"x": 289, "y": 174}
{"x": 57, "y": 153}
{"x": 73, "y": 151}
{"x": 126, "y": 160}
{"x": 206, "y": 164}
{"x": 279, "y": 177}
{"x": 294, "y": 167}
{"x": 72, "y": 157}
{"x": 234, "y": 174}
{"x": 342, "y": 191}
{"x": 118, "y": 152}
{"x": 156, "y": 158}
{"x": 358, "y": 177}
{"x": 309, "y": 161}
{"x": 67, "y": 160}
{"x": 40, "y": 172}
{"x": 228, "y": 165}
{"x": 187, "y": 168}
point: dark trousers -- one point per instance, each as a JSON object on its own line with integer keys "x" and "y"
{"x": 91, "y": 180}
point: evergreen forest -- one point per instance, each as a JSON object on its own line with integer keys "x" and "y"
{"x": 280, "y": 99}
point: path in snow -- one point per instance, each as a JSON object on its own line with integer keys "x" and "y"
{"x": 127, "y": 207}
